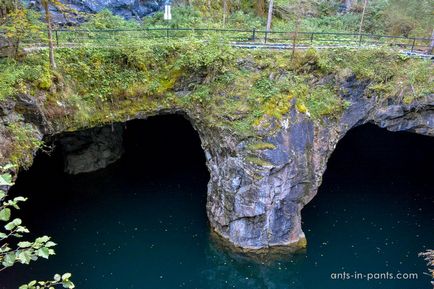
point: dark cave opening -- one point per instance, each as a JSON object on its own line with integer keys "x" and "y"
{"x": 159, "y": 182}
{"x": 375, "y": 207}
{"x": 375, "y": 154}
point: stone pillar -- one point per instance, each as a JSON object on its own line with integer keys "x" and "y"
{"x": 255, "y": 195}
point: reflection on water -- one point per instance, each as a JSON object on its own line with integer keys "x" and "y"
{"x": 141, "y": 223}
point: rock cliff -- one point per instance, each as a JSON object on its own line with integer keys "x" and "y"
{"x": 259, "y": 182}
{"x": 128, "y": 9}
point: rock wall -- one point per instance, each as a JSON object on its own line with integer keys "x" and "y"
{"x": 92, "y": 149}
{"x": 259, "y": 206}
{"x": 255, "y": 196}
{"x": 128, "y": 9}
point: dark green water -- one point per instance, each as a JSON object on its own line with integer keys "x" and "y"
{"x": 141, "y": 223}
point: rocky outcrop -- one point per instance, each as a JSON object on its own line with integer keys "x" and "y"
{"x": 128, "y": 9}
{"x": 256, "y": 191}
{"x": 258, "y": 206}
{"x": 92, "y": 149}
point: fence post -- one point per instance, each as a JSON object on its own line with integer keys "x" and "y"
{"x": 167, "y": 32}
{"x": 360, "y": 39}
{"x": 266, "y": 36}
{"x": 57, "y": 38}
{"x": 311, "y": 38}
{"x": 414, "y": 43}
{"x": 254, "y": 34}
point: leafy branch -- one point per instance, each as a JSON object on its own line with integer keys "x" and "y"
{"x": 57, "y": 280}
{"x": 25, "y": 251}
{"x": 428, "y": 256}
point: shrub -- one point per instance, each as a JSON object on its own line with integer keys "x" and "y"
{"x": 25, "y": 251}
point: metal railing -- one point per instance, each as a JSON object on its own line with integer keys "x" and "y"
{"x": 113, "y": 37}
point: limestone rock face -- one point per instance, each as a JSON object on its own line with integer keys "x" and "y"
{"x": 258, "y": 205}
{"x": 127, "y": 9}
{"x": 92, "y": 149}
{"x": 255, "y": 193}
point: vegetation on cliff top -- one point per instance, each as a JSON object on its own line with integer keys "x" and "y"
{"x": 392, "y": 17}
{"x": 244, "y": 91}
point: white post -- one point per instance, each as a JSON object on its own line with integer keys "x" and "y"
{"x": 167, "y": 12}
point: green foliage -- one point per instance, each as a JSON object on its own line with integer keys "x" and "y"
{"x": 323, "y": 101}
{"x": 214, "y": 55}
{"x": 266, "y": 88}
{"x": 21, "y": 25}
{"x": 243, "y": 20}
{"x": 241, "y": 90}
{"x": 106, "y": 20}
{"x": 9, "y": 76}
{"x": 183, "y": 16}
{"x": 14, "y": 74}
{"x": 199, "y": 16}
{"x": 24, "y": 251}
{"x": 58, "y": 280}
{"x": 25, "y": 142}
{"x": 396, "y": 17}
{"x": 408, "y": 18}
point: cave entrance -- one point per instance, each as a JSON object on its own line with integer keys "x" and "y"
{"x": 375, "y": 208}
{"x": 116, "y": 226}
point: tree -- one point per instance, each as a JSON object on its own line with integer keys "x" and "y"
{"x": 225, "y": 11}
{"x": 431, "y": 47}
{"x": 260, "y": 7}
{"x": 58, "y": 5}
{"x": 18, "y": 24}
{"x": 25, "y": 251}
{"x": 46, "y": 4}
{"x": 7, "y": 6}
{"x": 365, "y": 5}
{"x": 299, "y": 12}
{"x": 270, "y": 15}
{"x": 407, "y": 18}
{"x": 363, "y": 17}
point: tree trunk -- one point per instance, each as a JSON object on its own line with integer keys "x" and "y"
{"x": 299, "y": 15}
{"x": 363, "y": 18}
{"x": 225, "y": 11}
{"x": 431, "y": 47}
{"x": 270, "y": 15}
{"x": 260, "y": 7}
{"x": 50, "y": 34}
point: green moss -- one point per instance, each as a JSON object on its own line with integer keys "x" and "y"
{"x": 25, "y": 143}
{"x": 261, "y": 146}
{"x": 322, "y": 101}
{"x": 259, "y": 162}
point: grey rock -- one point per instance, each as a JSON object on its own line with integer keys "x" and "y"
{"x": 93, "y": 149}
{"x": 128, "y": 9}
